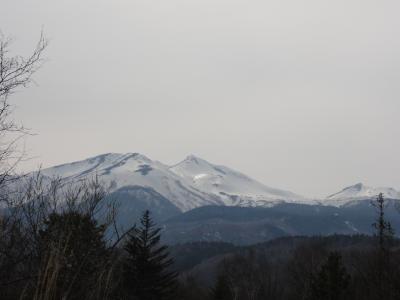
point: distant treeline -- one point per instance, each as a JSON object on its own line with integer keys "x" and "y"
{"x": 333, "y": 267}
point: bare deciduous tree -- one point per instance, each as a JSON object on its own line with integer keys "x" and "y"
{"x": 15, "y": 72}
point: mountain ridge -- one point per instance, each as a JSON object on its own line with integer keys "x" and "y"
{"x": 360, "y": 191}
{"x": 191, "y": 183}
{"x": 195, "y": 182}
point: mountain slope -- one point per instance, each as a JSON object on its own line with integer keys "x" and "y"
{"x": 234, "y": 188}
{"x": 132, "y": 169}
{"x": 250, "y": 225}
{"x": 221, "y": 204}
{"x": 192, "y": 183}
{"x": 131, "y": 201}
{"x": 359, "y": 192}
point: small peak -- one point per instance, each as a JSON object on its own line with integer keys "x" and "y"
{"x": 196, "y": 160}
{"x": 350, "y": 189}
{"x": 357, "y": 186}
{"x": 193, "y": 158}
{"x": 103, "y": 157}
{"x": 136, "y": 156}
{"x": 119, "y": 157}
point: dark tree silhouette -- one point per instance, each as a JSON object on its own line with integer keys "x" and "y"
{"x": 147, "y": 274}
{"x": 332, "y": 281}
{"x": 382, "y": 273}
{"x": 72, "y": 254}
{"x": 221, "y": 290}
{"x": 384, "y": 230}
{"x": 15, "y": 72}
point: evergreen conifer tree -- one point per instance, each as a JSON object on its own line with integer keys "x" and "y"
{"x": 332, "y": 281}
{"x": 384, "y": 230}
{"x": 382, "y": 271}
{"x": 147, "y": 274}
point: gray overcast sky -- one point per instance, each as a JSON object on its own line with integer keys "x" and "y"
{"x": 301, "y": 95}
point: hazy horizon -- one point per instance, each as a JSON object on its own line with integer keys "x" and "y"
{"x": 302, "y": 96}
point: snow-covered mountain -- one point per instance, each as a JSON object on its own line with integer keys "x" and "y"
{"x": 192, "y": 183}
{"x": 195, "y": 182}
{"x": 133, "y": 169}
{"x": 234, "y": 188}
{"x": 197, "y": 200}
{"x": 359, "y": 192}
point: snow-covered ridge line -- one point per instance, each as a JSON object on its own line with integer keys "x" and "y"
{"x": 191, "y": 183}
{"x": 359, "y": 192}
{"x": 195, "y": 182}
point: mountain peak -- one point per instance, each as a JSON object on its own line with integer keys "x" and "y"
{"x": 114, "y": 155}
{"x": 194, "y": 159}
{"x": 136, "y": 155}
{"x": 191, "y": 183}
{"x": 359, "y": 186}
{"x": 91, "y": 165}
{"x": 361, "y": 192}
{"x": 356, "y": 187}
{"x": 233, "y": 187}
